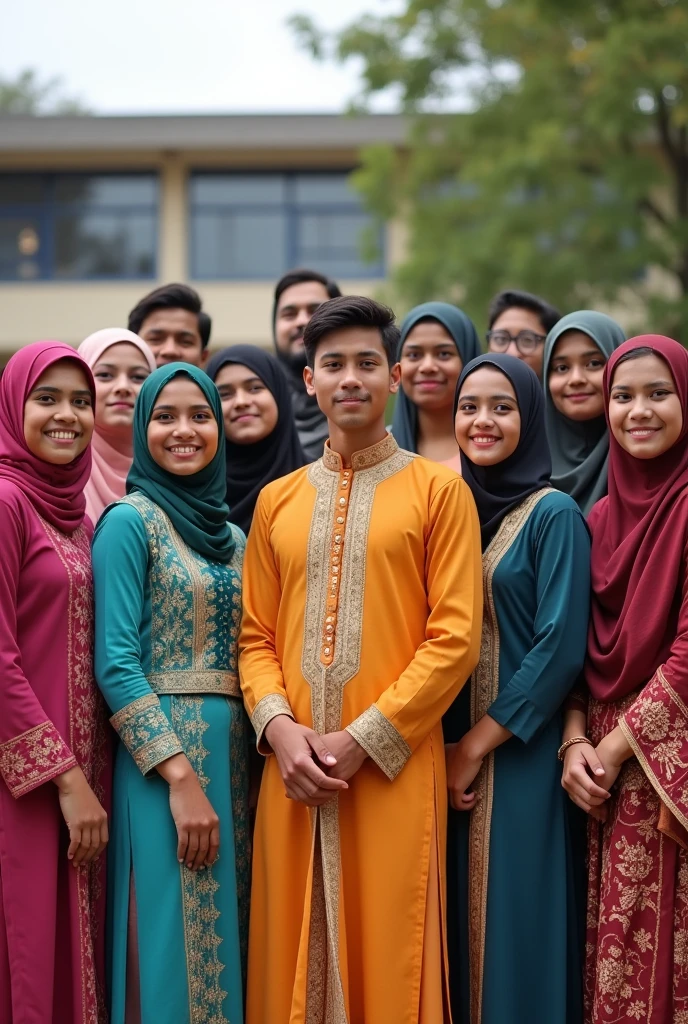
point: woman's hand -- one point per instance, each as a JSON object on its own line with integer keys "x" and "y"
{"x": 198, "y": 826}
{"x": 612, "y": 751}
{"x": 582, "y": 767}
{"x": 83, "y": 815}
{"x": 463, "y": 765}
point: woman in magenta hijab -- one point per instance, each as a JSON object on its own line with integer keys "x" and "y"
{"x": 120, "y": 362}
{"x": 53, "y": 741}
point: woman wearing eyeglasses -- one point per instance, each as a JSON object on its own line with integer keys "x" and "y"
{"x": 519, "y": 323}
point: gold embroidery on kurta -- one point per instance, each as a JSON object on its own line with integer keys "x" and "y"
{"x": 484, "y": 690}
{"x": 267, "y": 708}
{"x": 335, "y": 588}
{"x": 381, "y": 740}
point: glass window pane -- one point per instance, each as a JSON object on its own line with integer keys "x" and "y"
{"x": 20, "y": 244}
{"x": 230, "y": 189}
{"x": 245, "y": 245}
{"x": 104, "y": 245}
{"x": 333, "y": 243}
{"x": 107, "y": 189}
{"x": 21, "y": 188}
{"x": 324, "y": 188}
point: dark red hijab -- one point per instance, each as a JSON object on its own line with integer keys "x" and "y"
{"x": 56, "y": 492}
{"x": 639, "y": 534}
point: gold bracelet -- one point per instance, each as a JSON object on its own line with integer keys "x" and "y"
{"x": 569, "y": 743}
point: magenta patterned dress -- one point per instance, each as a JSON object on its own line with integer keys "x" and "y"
{"x": 51, "y": 718}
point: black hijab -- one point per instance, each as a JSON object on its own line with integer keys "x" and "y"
{"x": 499, "y": 489}
{"x": 251, "y": 466}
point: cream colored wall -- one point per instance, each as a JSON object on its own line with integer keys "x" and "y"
{"x": 70, "y": 311}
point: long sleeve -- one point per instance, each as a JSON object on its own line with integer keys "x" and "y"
{"x": 411, "y": 706}
{"x": 32, "y": 751}
{"x": 552, "y": 666}
{"x": 656, "y": 724}
{"x": 120, "y": 563}
{"x": 260, "y": 671}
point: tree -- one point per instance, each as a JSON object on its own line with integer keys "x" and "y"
{"x": 27, "y": 95}
{"x": 568, "y": 172}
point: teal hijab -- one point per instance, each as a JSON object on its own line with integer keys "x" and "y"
{"x": 464, "y": 336}
{"x": 195, "y": 504}
{"x": 580, "y": 450}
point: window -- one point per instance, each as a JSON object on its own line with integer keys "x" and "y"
{"x": 248, "y": 226}
{"x": 76, "y": 227}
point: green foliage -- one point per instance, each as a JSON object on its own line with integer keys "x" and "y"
{"x": 567, "y": 171}
{"x": 27, "y": 94}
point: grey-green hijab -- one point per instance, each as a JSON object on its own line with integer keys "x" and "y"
{"x": 580, "y": 449}
{"x": 462, "y": 331}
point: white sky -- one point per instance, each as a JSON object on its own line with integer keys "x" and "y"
{"x": 182, "y": 56}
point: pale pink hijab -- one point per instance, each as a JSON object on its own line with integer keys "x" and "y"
{"x": 109, "y": 473}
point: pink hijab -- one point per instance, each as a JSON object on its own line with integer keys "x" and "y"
{"x": 110, "y": 467}
{"x": 56, "y": 492}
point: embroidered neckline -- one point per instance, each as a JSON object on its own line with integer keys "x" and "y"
{"x": 365, "y": 459}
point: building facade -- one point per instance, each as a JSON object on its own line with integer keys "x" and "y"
{"x": 97, "y": 211}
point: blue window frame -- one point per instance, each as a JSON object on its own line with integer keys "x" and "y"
{"x": 248, "y": 226}
{"x": 78, "y": 227}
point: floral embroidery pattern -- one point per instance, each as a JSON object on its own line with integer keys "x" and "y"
{"x": 637, "y": 942}
{"x": 193, "y": 597}
{"x": 87, "y": 738}
{"x": 266, "y": 709}
{"x": 146, "y": 733}
{"x": 656, "y": 726}
{"x": 238, "y": 763}
{"x": 378, "y": 737}
{"x": 203, "y": 963}
{"x": 34, "y": 757}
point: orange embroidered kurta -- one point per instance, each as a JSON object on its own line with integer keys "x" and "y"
{"x": 362, "y": 610}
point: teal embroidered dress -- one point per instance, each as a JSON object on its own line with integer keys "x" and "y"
{"x": 513, "y": 868}
{"x": 167, "y": 621}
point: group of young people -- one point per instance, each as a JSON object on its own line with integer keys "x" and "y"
{"x": 439, "y": 641}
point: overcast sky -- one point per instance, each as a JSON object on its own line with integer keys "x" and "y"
{"x": 181, "y": 56}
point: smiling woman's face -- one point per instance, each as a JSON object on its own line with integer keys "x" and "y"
{"x": 645, "y": 414}
{"x": 248, "y": 407}
{"x": 183, "y": 434}
{"x": 119, "y": 374}
{"x": 58, "y": 414}
{"x": 575, "y": 375}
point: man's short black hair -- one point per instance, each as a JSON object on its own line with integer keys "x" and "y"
{"x": 302, "y": 276}
{"x": 171, "y": 296}
{"x": 510, "y": 299}
{"x": 351, "y": 311}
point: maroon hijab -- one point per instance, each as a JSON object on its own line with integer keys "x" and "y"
{"x": 56, "y": 492}
{"x": 639, "y": 534}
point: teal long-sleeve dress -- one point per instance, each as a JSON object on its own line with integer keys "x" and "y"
{"x": 167, "y": 622}
{"x": 514, "y": 866}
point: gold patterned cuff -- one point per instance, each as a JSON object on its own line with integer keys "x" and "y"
{"x": 381, "y": 741}
{"x": 266, "y": 709}
{"x": 144, "y": 729}
{"x": 33, "y": 758}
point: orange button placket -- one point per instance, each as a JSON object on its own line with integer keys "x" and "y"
{"x": 334, "y": 569}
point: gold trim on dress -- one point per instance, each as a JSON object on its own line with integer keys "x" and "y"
{"x": 365, "y": 459}
{"x": 267, "y": 708}
{"x": 484, "y": 691}
{"x": 34, "y": 757}
{"x": 381, "y": 741}
{"x": 195, "y": 681}
{"x": 145, "y": 730}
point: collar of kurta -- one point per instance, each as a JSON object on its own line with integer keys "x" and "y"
{"x": 364, "y": 459}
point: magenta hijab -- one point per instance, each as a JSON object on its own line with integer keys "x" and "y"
{"x": 110, "y": 467}
{"x": 56, "y": 492}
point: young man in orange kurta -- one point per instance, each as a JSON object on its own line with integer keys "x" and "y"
{"x": 361, "y": 623}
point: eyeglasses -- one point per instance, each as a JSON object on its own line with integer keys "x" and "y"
{"x": 525, "y": 341}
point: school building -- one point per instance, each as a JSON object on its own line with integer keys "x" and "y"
{"x": 97, "y": 211}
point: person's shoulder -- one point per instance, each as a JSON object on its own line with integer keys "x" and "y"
{"x": 11, "y": 495}
{"x": 554, "y": 502}
{"x": 118, "y": 519}
{"x": 283, "y": 487}
{"x": 436, "y": 473}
